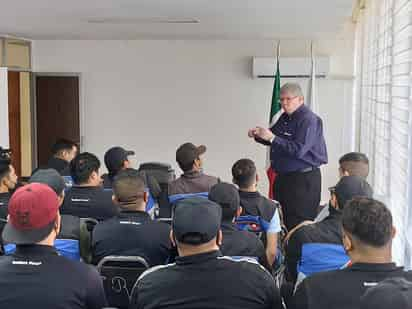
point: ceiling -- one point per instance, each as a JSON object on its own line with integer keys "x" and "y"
{"x": 136, "y": 19}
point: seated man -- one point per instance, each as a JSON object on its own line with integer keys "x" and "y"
{"x": 235, "y": 243}
{"x": 253, "y": 203}
{"x": 201, "y": 276}
{"x": 390, "y": 293}
{"x": 132, "y": 232}
{"x": 325, "y": 236}
{"x": 350, "y": 164}
{"x": 63, "y": 153}
{"x": 35, "y": 276}
{"x": 115, "y": 159}
{"x": 193, "y": 180}
{"x": 367, "y": 239}
{"x": 8, "y": 181}
{"x": 87, "y": 199}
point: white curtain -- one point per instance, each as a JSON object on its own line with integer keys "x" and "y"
{"x": 384, "y": 59}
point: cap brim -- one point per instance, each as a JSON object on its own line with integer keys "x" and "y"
{"x": 25, "y": 237}
{"x": 201, "y": 149}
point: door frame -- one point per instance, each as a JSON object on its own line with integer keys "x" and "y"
{"x": 34, "y": 109}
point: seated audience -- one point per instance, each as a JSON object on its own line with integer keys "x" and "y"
{"x": 324, "y": 235}
{"x": 390, "y": 293}
{"x": 132, "y": 232}
{"x": 253, "y": 203}
{"x": 193, "y": 180}
{"x": 235, "y": 243}
{"x": 201, "y": 276}
{"x": 350, "y": 164}
{"x": 87, "y": 199}
{"x": 35, "y": 276}
{"x": 63, "y": 153}
{"x": 8, "y": 181}
{"x": 367, "y": 239}
{"x": 115, "y": 159}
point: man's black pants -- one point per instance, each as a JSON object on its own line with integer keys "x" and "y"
{"x": 299, "y": 195}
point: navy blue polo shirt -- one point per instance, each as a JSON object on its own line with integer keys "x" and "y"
{"x": 132, "y": 233}
{"x": 299, "y": 142}
{"x": 37, "y": 277}
{"x": 89, "y": 202}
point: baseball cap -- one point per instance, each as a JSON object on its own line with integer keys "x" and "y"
{"x": 114, "y": 158}
{"x": 227, "y": 196}
{"x": 196, "y": 220}
{"x": 32, "y": 212}
{"x": 389, "y": 293}
{"x": 349, "y": 187}
{"x": 49, "y": 177}
{"x": 187, "y": 153}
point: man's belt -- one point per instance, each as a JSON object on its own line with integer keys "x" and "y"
{"x": 304, "y": 170}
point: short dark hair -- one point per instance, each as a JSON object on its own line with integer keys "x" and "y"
{"x": 244, "y": 172}
{"x": 128, "y": 185}
{"x": 355, "y": 163}
{"x": 62, "y": 144}
{"x": 4, "y": 171}
{"x": 82, "y": 166}
{"x": 368, "y": 220}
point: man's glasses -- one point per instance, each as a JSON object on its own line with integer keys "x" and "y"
{"x": 288, "y": 99}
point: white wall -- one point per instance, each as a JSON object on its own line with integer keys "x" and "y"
{"x": 151, "y": 96}
{"x": 4, "y": 109}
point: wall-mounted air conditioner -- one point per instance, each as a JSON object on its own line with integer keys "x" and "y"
{"x": 265, "y": 67}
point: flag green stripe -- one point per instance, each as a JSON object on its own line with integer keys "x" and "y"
{"x": 275, "y": 107}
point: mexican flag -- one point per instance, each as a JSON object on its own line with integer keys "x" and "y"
{"x": 275, "y": 112}
{"x": 310, "y": 97}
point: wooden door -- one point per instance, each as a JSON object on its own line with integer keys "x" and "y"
{"x": 14, "y": 119}
{"x": 57, "y": 112}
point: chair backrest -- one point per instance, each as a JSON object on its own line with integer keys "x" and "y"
{"x": 86, "y": 234}
{"x": 3, "y": 223}
{"x": 253, "y": 224}
{"x": 119, "y": 274}
{"x": 317, "y": 257}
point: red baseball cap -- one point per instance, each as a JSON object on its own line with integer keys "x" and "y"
{"x": 32, "y": 212}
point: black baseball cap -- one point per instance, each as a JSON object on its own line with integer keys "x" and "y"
{"x": 187, "y": 153}
{"x": 196, "y": 220}
{"x": 350, "y": 187}
{"x": 49, "y": 177}
{"x": 114, "y": 158}
{"x": 227, "y": 196}
{"x": 389, "y": 293}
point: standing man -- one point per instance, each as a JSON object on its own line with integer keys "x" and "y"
{"x": 297, "y": 150}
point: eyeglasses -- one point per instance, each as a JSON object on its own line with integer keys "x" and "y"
{"x": 288, "y": 99}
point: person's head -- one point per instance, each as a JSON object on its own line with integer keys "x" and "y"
{"x": 367, "y": 230}
{"x": 354, "y": 164}
{"x": 188, "y": 156}
{"x": 389, "y": 293}
{"x": 116, "y": 159}
{"x": 227, "y": 197}
{"x": 244, "y": 174}
{"x": 8, "y": 177}
{"x": 196, "y": 226}
{"x": 348, "y": 188}
{"x": 291, "y": 97}
{"x": 129, "y": 190}
{"x": 84, "y": 169}
{"x": 64, "y": 149}
{"x": 33, "y": 216}
{"x": 51, "y": 178}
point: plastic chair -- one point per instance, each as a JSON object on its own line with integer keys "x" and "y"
{"x": 173, "y": 199}
{"x": 119, "y": 274}
{"x": 86, "y": 234}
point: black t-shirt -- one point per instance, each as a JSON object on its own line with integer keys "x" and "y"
{"x": 242, "y": 243}
{"x": 4, "y": 203}
{"x": 342, "y": 289}
{"x": 206, "y": 280}
{"x": 132, "y": 233}
{"x": 60, "y": 165}
{"x": 36, "y": 277}
{"x": 89, "y": 202}
{"x": 254, "y": 204}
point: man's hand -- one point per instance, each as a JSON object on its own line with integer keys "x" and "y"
{"x": 251, "y": 133}
{"x": 264, "y": 134}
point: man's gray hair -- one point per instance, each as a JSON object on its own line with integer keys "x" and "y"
{"x": 292, "y": 89}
